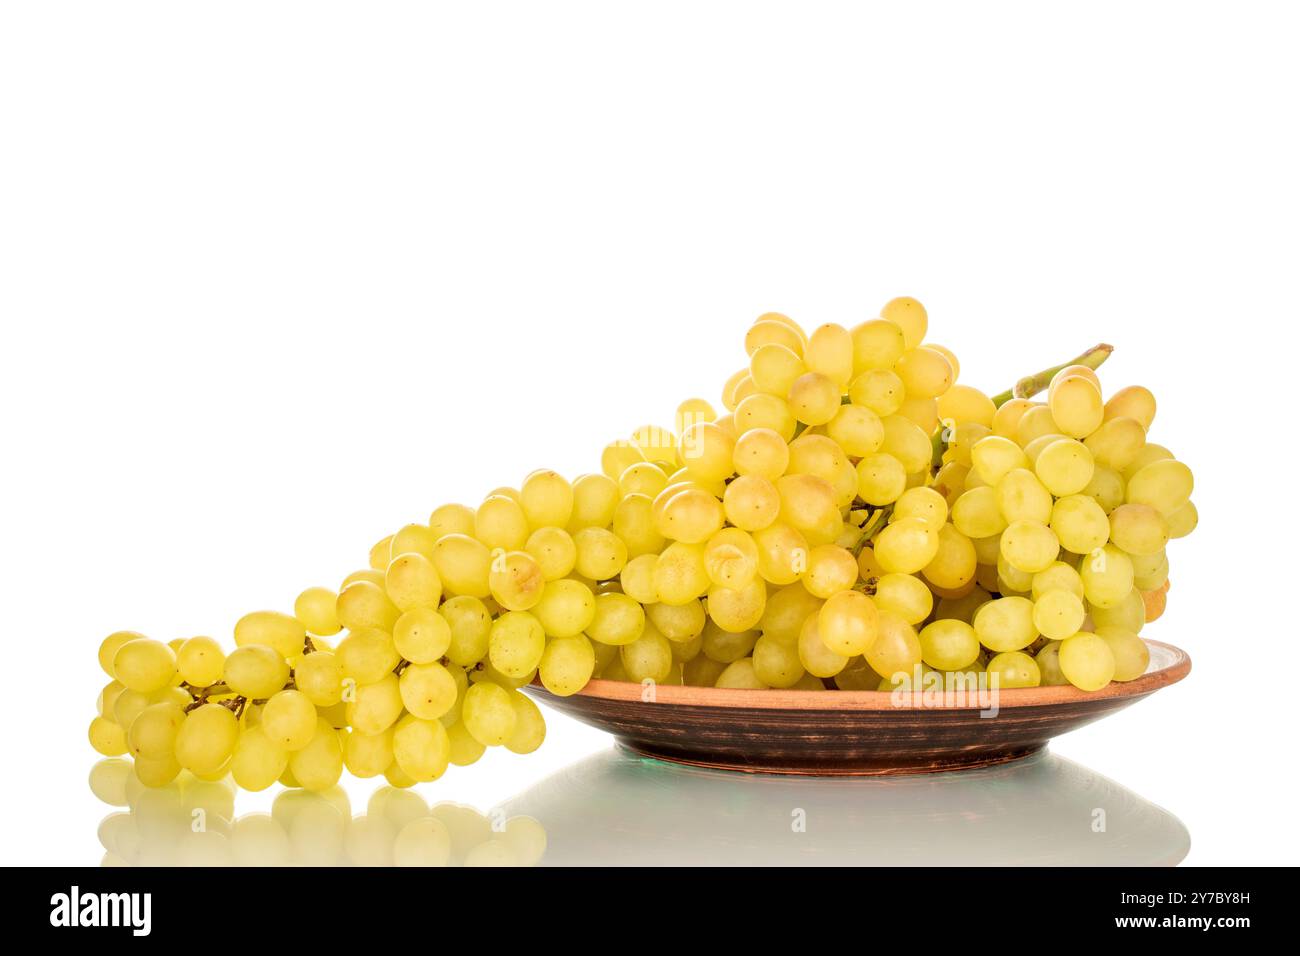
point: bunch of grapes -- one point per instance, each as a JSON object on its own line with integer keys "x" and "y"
{"x": 855, "y": 520}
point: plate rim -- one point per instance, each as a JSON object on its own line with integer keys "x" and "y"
{"x": 879, "y": 700}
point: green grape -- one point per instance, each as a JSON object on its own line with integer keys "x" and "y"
{"x": 1022, "y": 497}
{"x": 421, "y": 748}
{"x": 366, "y": 655}
{"x": 1003, "y": 624}
{"x": 516, "y": 580}
{"x": 848, "y": 623}
{"x": 601, "y": 555}
{"x": 1106, "y": 488}
{"x": 144, "y": 665}
{"x": 153, "y": 732}
{"x": 738, "y": 609}
{"x": 993, "y": 457}
{"x": 255, "y": 671}
{"x": 1080, "y": 524}
{"x": 858, "y": 675}
{"x": 1129, "y": 651}
{"x": 897, "y": 648}
{"x": 206, "y": 738}
{"x": 1165, "y": 485}
{"x": 1058, "y": 575}
{"x": 566, "y": 608}
{"x": 762, "y": 410}
{"x": 785, "y": 612}
{"x": 634, "y": 524}
{"x": 554, "y": 551}
{"x": 904, "y": 595}
{"x": 463, "y": 565}
{"x": 925, "y": 373}
{"x": 428, "y": 690}
{"x": 702, "y": 671}
{"x": 1036, "y": 422}
{"x": 516, "y": 643}
{"x": 814, "y": 656}
{"x": 1128, "y": 614}
{"x": 422, "y": 635}
{"x": 1075, "y": 401}
{"x": 1013, "y": 669}
{"x": 726, "y": 647}
{"x": 740, "y": 675}
{"x": 648, "y": 658}
{"x": 808, "y": 504}
{"x": 376, "y": 706}
{"x": 1182, "y": 520}
{"x": 706, "y": 450}
{"x": 1086, "y": 661}
{"x": 273, "y": 629}
{"x": 1150, "y": 571}
{"x": 949, "y": 645}
{"x": 1029, "y": 546}
{"x": 109, "y": 647}
{"x": 677, "y": 622}
{"x": 856, "y": 429}
{"x": 775, "y": 368}
{"x": 1107, "y": 576}
{"x": 776, "y": 663}
{"x": 909, "y": 315}
{"x": 618, "y": 619}
{"x": 470, "y": 625}
{"x": 760, "y": 453}
{"x": 318, "y": 765}
{"x": 289, "y": 719}
{"x": 567, "y": 665}
{"x": 368, "y": 755}
{"x": 156, "y": 771}
{"x": 488, "y": 714}
{"x": 363, "y": 605}
{"x": 315, "y": 610}
{"x": 410, "y": 539}
{"x": 905, "y": 441}
{"x": 500, "y": 522}
{"x": 1048, "y": 660}
{"x": 782, "y": 554}
{"x": 200, "y": 661}
{"x": 1012, "y": 579}
{"x": 107, "y": 737}
{"x": 1064, "y": 467}
{"x": 529, "y": 726}
{"x": 1133, "y": 402}
{"x": 1116, "y": 443}
{"x": 257, "y": 762}
{"x": 953, "y": 565}
{"x": 751, "y": 503}
{"x": 907, "y": 545}
{"x": 412, "y": 581}
{"x": 830, "y": 569}
{"x": 1058, "y": 614}
{"x": 547, "y": 499}
{"x": 976, "y": 513}
{"x": 1138, "y": 529}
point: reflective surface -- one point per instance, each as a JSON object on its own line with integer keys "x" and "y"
{"x": 616, "y": 808}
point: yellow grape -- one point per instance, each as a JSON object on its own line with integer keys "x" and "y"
{"x": 740, "y": 675}
{"x": 412, "y": 581}
{"x": 848, "y": 623}
{"x": 566, "y": 665}
{"x": 1086, "y": 661}
{"x": 782, "y": 553}
{"x": 315, "y": 610}
{"x": 200, "y": 661}
{"x": 1029, "y": 546}
{"x": 1035, "y": 422}
{"x": 761, "y": 452}
{"x": 428, "y": 690}
{"x": 949, "y": 644}
{"x": 776, "y": 663}
{"x": 500, "y": 522}
{"x": 1165, "y": 485}
{"x": 814, "y": 656}
{"x": 1130, "y": 653}
{"x": 976, "y": 513}
{"x": 1138, "y": 529}
{"x": 1013, "y": 669}
{"x": 953, "y": 564}
{"x": 1107, "y": 575}
{"x": 877, "y": 345}
{"x": 1004, "y": 624}
{"x": 829, "y": 352}
{"x": 772, "y": 328}
{"x": 451, "y": 519}
{"x": 1075, "y": 402}
{"x": 547, "y": 499}
{"x": 255, "y": 671}
{"x": 731, "y": 558}
{"x": 910, "y": 316}
{"x": 1080, "y": 524}
{"x": 830, "y": 569}
{"x": 1007, "y": 417}
{"x": 881, "y": 479}
{"x": 762, "y": 410}
{"x": 814, "y": 398}
{"x": 1058, "y": 613}
{"x": 1133, "y": 402}
{"x": 1064, "y": 467}
{"x": 360, "y": 605}
{"x": 897, "y": 647}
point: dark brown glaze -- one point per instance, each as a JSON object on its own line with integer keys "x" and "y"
{"x": 847, "y": 732}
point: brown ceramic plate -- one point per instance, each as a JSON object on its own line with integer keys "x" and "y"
{"x": 849, "y": 732}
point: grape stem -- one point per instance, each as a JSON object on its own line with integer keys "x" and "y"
{"x": 1031, "y": 385}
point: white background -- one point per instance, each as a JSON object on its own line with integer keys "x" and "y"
{"x": 277, "y": 278}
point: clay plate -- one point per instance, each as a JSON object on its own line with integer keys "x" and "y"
{"x": 849, "y": 732}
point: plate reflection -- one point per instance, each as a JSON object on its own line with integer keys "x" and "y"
{"x": 620, "y": 808}
{"x": 617, "y": 808}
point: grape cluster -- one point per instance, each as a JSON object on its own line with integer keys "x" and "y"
{"x": 856, "y": 520}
